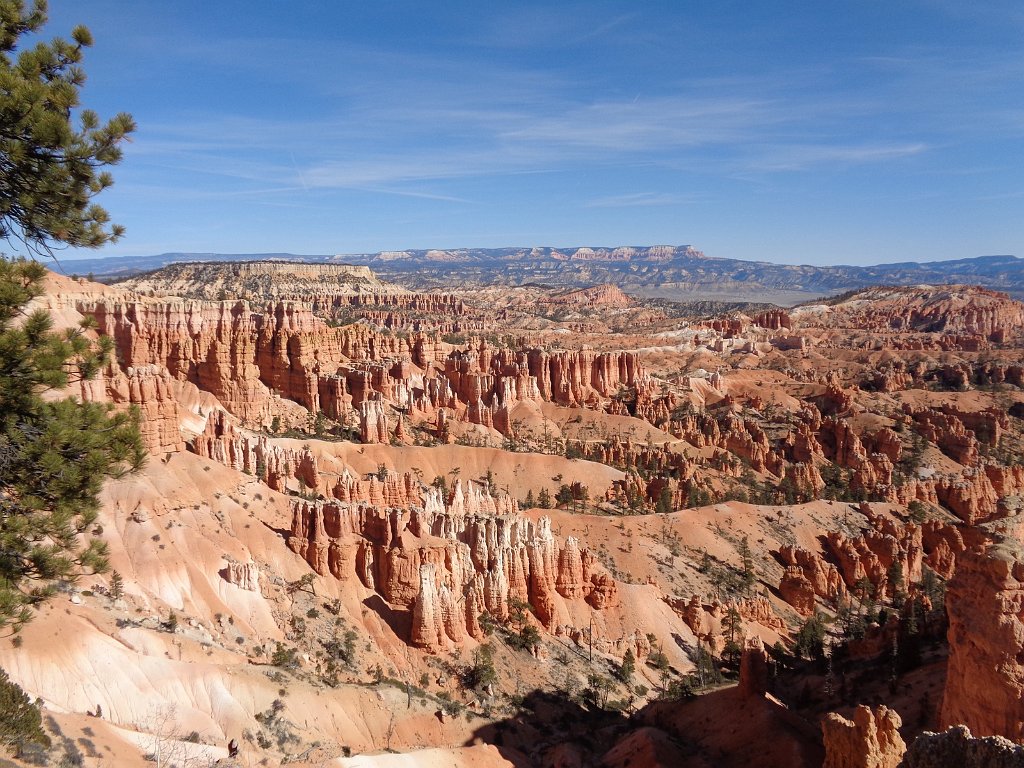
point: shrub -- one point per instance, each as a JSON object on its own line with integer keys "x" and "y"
{"x": 20, "y": 721}
{"x": 284, "y": 657}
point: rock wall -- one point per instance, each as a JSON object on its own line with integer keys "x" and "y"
{"x": 847, "y": 560}
{"x": 247, "y": 356}
{"x": 450, "y": 559}
{"x": 985, "y": 673}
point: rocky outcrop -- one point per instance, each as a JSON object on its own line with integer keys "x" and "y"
{"x": 885, "y": 548}
{"x": 753, "y": 668}
{"x": 248, "y": 357}
{"x": 872, "y": 556}
{"x": 373, "y": 421}
{"x": 244, "y": 356}
{"x": 448, "y": 560}
{"x": 259, "y": 280}
{"x": 797, "y": 590}
{"x": 969, "y": 495}
{"x": 823, "y": 577}
{"x": 243, "y": 575}
{"x": 150, "y": 389}
{"x": 956, "y": 748}
{"x": 870, "y": 740}
{"x": 427, "y": 624}
{"x": 985, "y": 674}
{"x": 608, "y": 296}
{"x": 952, "y": 310}
{"x": 774, "y": 320}
{"x": 758, "y": 610}
{"x": 276, "y": 465}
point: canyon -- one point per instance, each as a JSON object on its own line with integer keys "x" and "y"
{"x": 562, "y": 525}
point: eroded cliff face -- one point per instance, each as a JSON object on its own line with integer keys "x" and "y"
{"x": 957, "y": 313}
{"x": 845, "y": 561}
{"x": 260, "y": 280}
{"x": 278, "y": 359}
{"x": 252, "y": 358}
{"x": 985, "y": 676}
{"x": 449, "y": 560}
{"x": 245, "y": 357}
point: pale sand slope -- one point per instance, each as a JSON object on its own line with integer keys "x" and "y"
{"x": 196, "y": 515}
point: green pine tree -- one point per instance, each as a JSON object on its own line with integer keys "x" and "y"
{"x": 54, "y": 453}
{"x": 52, "y": 153}
{"x": 627, "y": 668}
{"x": 22, "y": 722}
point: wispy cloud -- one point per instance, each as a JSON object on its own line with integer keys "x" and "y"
{"x": 406, "y": 122}
{"x": 652, "y": 125}
{"x": 642, "y": 200}
{"x": 801, "y": 157}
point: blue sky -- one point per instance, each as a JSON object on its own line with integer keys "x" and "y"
{"x": 857, "y": 131}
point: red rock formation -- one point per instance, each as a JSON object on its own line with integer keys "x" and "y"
{"x": 824, "y": 577}
{"x": 150, "y": 388}
{"x": 969, "y": 495}
{"x": 797, "y": 590}
{"x": 774, "y": 319}
{"x": 870, "y": 556}
{"x": 427, "y": 623}
{"x": 968, "y": 312}
{"x": 985, "y": 674}
{"x": 758, "y": 610}
{"x": 948, "y": 432}
{"x": 942, "y": 544}
{"x": 805, "y": 479}
{"x": 870, "y": 740}
{"x": 246, "y": 357}
{"x": 597, "y": 296}
{"x": 753, "y": 668}
{"x": 373, "y": 422}
{"x": 476, "y": 551}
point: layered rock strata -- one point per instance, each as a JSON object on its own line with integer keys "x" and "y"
{"x": 449, "y": 560}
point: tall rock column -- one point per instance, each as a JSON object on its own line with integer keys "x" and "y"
{"x": 427, "y": 620}
{"x": 985, "y": 673}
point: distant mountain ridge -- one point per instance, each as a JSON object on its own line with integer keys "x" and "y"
{"x": 673, "y": 272}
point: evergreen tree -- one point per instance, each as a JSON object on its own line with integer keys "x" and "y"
{"x": 116, "y": 586}
{"x": 564, "y": 496}
{"x": 544, "y": 499}
{"x": 664, "y": 503}
{"x": 54, "y": 453}
{"x": 21, "y": 723}
{"x": 810, "y": 638}
{"x": 732, "y": 626}
{"x": 627, "y": 667}
{"x": 51, "y": 168}
{"x": 580, "y": 496}
{"x": 894, "y": 575}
